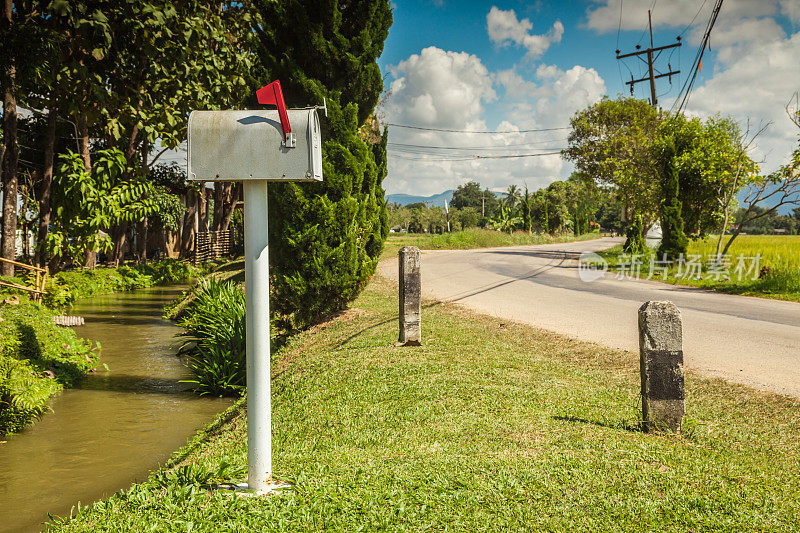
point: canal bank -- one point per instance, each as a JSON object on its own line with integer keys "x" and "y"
{"x": 488, "y": 426}
{"x": 116, "y": 426}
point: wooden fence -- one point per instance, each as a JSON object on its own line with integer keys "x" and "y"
{"x": 211, "y": 245}
{"x": 39, "y": 279}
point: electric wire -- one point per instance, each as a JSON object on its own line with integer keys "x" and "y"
{"x": 686, "y": 89}
{"x": 693, "y": 18}
{"x": 519, "y": 146}
{"x": 408, "y": 126}
{"x": 473, "y": 158}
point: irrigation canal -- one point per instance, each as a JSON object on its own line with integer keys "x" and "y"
{"x": 116, "y": 427}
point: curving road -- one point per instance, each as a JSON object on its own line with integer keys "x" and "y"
{"x": 752, "y": 341}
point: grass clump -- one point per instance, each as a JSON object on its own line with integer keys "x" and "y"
{"x": 37, "y": 359}
{"x": 473, "y": 238}
{"x": 214, "y": 340}
{"x": 489, "y": 426}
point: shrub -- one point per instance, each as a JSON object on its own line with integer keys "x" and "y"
{"x": 215, "y": 338}
{"x": 31, "y": 346}
{"x": 325, "y": 238}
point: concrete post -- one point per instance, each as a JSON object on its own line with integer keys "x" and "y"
{"x": 410, "y": 297}
{"x": 661, "y": 365}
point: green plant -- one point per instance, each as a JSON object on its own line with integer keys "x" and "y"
{"x": 37, "y": 359}
{"x": 214, "y": 340}
{"x": 674, "y": 241}
{"x": 86, "y": 203}
{"x": 325, "y": 238}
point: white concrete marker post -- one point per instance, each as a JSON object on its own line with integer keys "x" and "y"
{"x": 256, "y": 282}
{"x": 256, "y": 147}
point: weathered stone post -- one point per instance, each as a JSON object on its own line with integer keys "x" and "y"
{"x": 661, "y": 364}
{"x": 410, "y": 297}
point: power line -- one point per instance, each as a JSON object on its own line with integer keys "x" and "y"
{"x": 472, "y": 158}
{"x": 468, "y": 131}
{"x": 694, "y": 18}
{"x": 698, "y": 60}
{"x": 518, "y": 146}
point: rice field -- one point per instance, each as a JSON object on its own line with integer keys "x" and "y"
{"x": 755, "y": 265}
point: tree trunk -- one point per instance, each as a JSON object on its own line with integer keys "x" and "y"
{"x": 10, "y": 180}
{"x": 47, "y": 186}
{"x": 188, "y": 233}
{"x": 83, "y": 141}
{"x": 203, "y": 207}
{"x": 230, "y": 205}
{"x": 220, "y": 192}
{"x": 120, "y": 238}
{"x": 141, "y": 232}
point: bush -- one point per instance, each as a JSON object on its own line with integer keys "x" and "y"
{"x": 326, "y": 238}
{"x": 65, "y": 287}
{"x": 215, "y": 338}
{"x": 37, "y": 359}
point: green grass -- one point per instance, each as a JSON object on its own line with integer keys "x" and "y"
{"x": 490, "y": 426}
{"x": 37, "y": 359}
{"x": 472, "y": 238}
{"x": 780, "y": 254}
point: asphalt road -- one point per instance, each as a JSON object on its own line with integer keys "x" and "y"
{"x": 746, "y": 340}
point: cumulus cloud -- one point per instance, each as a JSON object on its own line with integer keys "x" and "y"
{"x": 504, "y": 29}
{"x": 439, "y": 88}
{"x": 604, "y": 16}
{"x": 755, "y": 80}
{"x": 450, "y": 90}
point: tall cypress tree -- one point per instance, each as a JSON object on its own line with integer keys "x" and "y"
{"x": 673, "y": 240}
{"x": 326, "y": 237}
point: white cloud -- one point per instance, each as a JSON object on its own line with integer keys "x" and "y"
{"x": 557, "y": 96}
{"x": 441, "y": 89}
{"x": 604, "y": 16}
{"x": 755, "y": 80}
{"x": 504, "y": 28}
{"x": 791, "y": 8}
{"x": 450, "y": 90}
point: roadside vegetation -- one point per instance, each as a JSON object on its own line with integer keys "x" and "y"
{"x": 37, "y": 359}
{"x": 755, "y": 265}
{"x": 488, "y": 426}
{"x": 474, "y": 238}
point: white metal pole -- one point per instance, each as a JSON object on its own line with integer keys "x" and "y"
{"x": 256, "y": 281}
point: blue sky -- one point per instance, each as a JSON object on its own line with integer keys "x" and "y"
{"x": 530, "y": 65}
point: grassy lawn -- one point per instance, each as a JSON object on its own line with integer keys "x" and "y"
{"x": 490, "y": 426}
{"x": 779, "y": 253}
{"x": 472, "y": 238}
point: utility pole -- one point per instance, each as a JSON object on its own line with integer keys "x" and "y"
{"x": 483, "y": 205}
{"x": 652, "y": 54}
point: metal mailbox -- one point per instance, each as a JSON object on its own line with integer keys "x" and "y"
{"x": 251, "y": 145}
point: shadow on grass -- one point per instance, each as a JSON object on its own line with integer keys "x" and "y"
{"x": 216, "y": 428}
{"x": 626, "y": 425}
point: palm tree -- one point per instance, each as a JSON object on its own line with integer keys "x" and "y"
{"x": 512, "y": 196}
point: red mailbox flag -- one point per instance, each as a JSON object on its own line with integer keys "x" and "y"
{"x": 272, "y": 94}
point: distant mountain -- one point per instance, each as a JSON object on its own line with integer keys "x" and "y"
{"x": 433, "y": 200}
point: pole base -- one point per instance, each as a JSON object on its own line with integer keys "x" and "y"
{"x": 243, "y": 489}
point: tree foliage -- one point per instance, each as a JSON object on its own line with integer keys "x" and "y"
{"x": 326, "y": 237}
{"x": 90, "y": 202}
{"x": 673, "y": 242}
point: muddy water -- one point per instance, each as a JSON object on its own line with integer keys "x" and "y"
{"x": 115, "y": 427}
